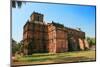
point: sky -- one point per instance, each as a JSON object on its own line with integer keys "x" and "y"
{"x": 73, "y": 16}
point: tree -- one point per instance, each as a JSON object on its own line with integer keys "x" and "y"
{"x": 15, "y": 47}
{"x": 91, "y": 41}
{"x": 16, "y": 3}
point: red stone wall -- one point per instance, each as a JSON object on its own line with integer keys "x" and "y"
{"x": 37, "y": 33}
{"x": 53, "y": 38}
{"x": 78, "y": 38}
{"x": 57, "y": 39}
{"x": 61, "y": 40}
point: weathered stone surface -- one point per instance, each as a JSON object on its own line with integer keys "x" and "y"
{"x": 52, "y": 37}
{"x": 86, "y": 44}
{"x": 81, "y": 43}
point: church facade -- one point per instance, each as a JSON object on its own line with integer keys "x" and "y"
{"x": 40, "y": 37}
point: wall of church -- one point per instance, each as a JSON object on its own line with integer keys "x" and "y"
{"x": 52, "y": 37}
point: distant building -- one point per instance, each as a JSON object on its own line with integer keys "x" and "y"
{"x": 52, "y": 37}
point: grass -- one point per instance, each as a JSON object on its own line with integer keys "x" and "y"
{"x": 47, "y": 58}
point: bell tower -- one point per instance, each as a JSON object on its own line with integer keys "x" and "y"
{"x": 36, "y": 17}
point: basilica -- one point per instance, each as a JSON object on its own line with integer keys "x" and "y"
{"x": 42, "y": 37}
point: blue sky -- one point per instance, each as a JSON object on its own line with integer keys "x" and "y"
{"x": 72, "y": 16}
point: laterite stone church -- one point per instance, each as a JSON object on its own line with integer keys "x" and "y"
{"x": 42, "y": 37}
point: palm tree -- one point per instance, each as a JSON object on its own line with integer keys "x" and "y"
{"x": 16, "y": 3}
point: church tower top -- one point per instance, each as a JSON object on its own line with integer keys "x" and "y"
{"x": 35, "y": 16}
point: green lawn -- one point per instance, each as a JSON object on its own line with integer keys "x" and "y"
{"x": 47, "y": 58}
